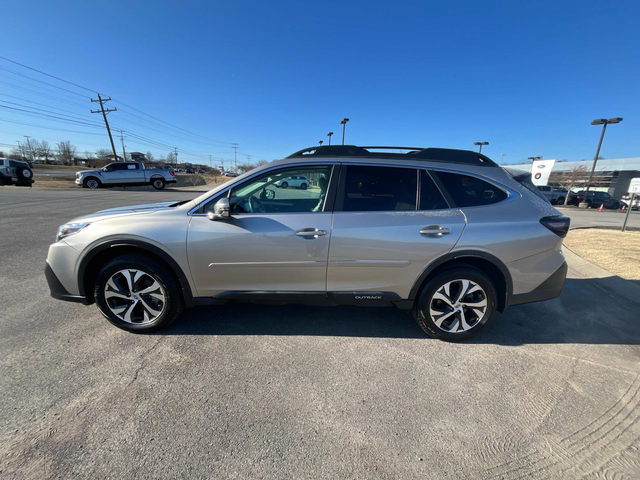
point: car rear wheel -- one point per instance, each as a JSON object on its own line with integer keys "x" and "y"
{"x": 560, "y": 201}
{"x": 158, "y": 183}
{"x": 25, "y": 173}
{"x": 91, "y": 182}
{"x": 616, "y": 206}
{"x": 456, "y": 304}
{"x": 136, "y": 293}
{"x": 303, "y": 186}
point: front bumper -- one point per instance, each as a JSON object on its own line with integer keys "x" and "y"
{"x": 550, "y": 288}
{"x": 57, "y": 289}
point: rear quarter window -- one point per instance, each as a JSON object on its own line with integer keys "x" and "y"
{"x": 468, "y": 191}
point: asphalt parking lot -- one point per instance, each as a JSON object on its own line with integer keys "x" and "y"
{"x": 246, "y": 391}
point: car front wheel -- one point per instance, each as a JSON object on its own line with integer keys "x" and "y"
{"x": 91, "y": 183}
{"x": 137, "y": 293}
{"x": 456, "y": 304}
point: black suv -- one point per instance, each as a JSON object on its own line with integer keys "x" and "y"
{"x": 595, "y": 199}
{"x": 15, "y": 172}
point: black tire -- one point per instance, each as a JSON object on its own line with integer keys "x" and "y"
{"x": 560, "y": 201}
{"x": 172, "y": 307}
{"x": 616, "y": 206}
{"x": 284, "y": 185}
{"x": 2, "y": 181}
{"x": 157, "y": 183}
{"x": 91, "y": 182}
{"x": 303, "y": 186}
{"x": 423, "y": 302}
{"x": 24, "y": 174}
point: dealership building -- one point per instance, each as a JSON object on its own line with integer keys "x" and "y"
{"x": 612, "y": 175}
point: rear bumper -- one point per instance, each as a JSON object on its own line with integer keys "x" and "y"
{"x": 550, "y": 288}
{"x": 57, "y": 289}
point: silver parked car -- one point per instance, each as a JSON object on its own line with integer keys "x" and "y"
{"x": 446, "y": 233}
{"x": 125, "y": 174}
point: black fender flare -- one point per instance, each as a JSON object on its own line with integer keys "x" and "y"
{"x": 461, "y": 255}
{"x": 143, "y": 246}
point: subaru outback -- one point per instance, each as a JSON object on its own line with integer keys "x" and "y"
{"x": 447, "y": 234}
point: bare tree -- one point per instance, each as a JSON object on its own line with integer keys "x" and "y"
{"x": 259, "y": 163}
{"x": 570, "y": 178}
{"x": 44, "y": 151}
{"x": 171, "y": 158}
{"x": 103, "y": 154}
{"x": 16, "y": 154}
{"x": 245, "y": 167}
{"x": 149, "y": 156}
{"x": 66, "y": 152}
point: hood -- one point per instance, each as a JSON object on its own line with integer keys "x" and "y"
{"x": 129, "y": 210}
{"x": 97, "y": 171}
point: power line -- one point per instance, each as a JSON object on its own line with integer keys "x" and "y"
{"x": 47, "y": 128}
{"x": 171, "y": 125}
{"x": 43, "y": 82}
{"x": 56, "y": 117}
{"x": 47, "y": 74}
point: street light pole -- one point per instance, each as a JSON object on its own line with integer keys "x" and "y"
{"x": 329, "y": 135}
{"x": 320, "y": 142}
{"x": 481, "y": 144}
{"x": 502, "y": 155}
{"x": 604, "y": 122}
{"x": 344, "y": 127}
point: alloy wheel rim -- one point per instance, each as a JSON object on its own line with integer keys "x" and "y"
{"x": 134, "y": 296}
{"x": 158, "y": 183}
{"x": 458, "y": 306}
{"x": 92, "y": 184}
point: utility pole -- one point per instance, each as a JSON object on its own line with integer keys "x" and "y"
{"x": 175, "y": 150}
{"x": 124, "y": 153}
{"x": 235, "y": 157}
{"x": 210, "y": 165}
{"x": 106, "y": 122}
{"x": 502, "y": 155}
{"x": 29, "y": 144}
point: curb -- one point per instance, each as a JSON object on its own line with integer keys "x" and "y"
{"x": 601, "y": 277}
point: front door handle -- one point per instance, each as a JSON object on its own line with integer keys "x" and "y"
{"x": 435, "y": 231}
{"x": 310, "y": 233}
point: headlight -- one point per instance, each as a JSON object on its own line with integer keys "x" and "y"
{"x": 69, "y": 229}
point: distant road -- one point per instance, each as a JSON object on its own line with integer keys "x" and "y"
{"x": 54, "y": 173}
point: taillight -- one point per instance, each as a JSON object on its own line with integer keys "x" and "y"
{"x": 172, "y": 173}
{"x": 558, "y": 224}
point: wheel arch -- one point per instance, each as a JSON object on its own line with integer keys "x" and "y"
{"x": 88, "y": 177}
{"x": 489, "y": 264}
{"x": 100, "y": 254}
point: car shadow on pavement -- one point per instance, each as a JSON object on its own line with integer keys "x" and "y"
{"x": 586, "y": 312}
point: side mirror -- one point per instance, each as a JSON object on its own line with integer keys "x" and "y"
{"x": 105, "y": 169}
{"x": 267, "y": 194}
{"x": 221, "y": 210}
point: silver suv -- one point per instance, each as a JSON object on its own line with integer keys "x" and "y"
{"x": 447, "y": 234}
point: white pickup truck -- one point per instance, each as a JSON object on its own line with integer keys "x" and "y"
{"x": 119, "y": 174}
{"x": 555, "y": 195}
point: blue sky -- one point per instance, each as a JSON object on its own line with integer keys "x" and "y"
{"x": 277, "y": 76}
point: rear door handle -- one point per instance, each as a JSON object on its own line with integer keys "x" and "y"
{"x": 435, "y": 231}
{"x": 310, "y": 233}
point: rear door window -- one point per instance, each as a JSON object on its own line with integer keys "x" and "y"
{"x": 430, "y": 196}
{"x": 468, "y": 191}
{"x": 366, "y": 188}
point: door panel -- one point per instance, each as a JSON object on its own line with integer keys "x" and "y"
{"x": 259, "y": 252}
{"x": 386, "y": 251}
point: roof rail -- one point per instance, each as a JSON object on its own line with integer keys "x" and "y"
{"x": 412, "y": 153}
